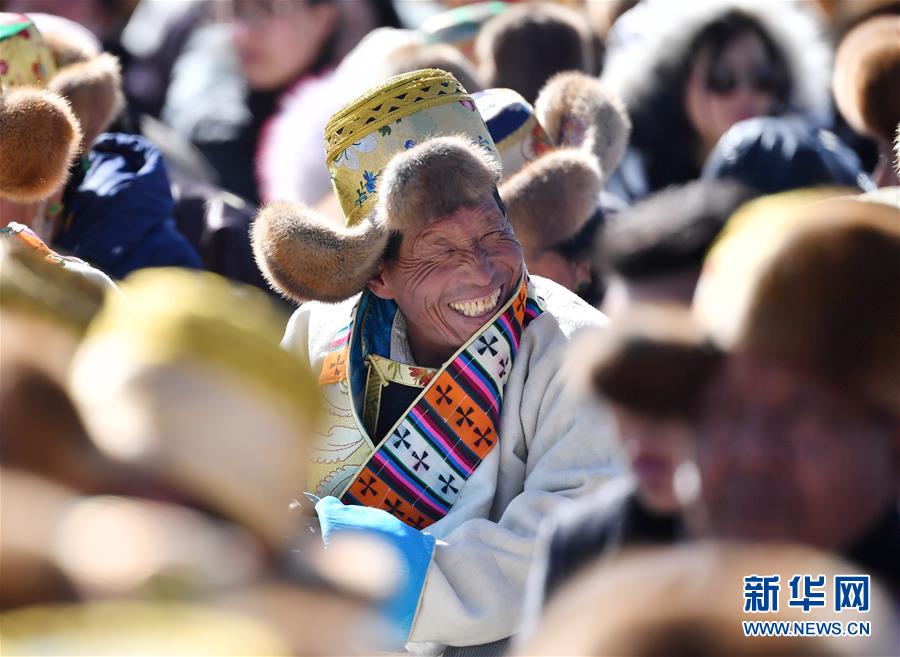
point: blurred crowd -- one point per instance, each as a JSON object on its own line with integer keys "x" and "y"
{"x": 719, "y": 178}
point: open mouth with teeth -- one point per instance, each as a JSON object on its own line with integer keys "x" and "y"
{"x": 477, "y": 307}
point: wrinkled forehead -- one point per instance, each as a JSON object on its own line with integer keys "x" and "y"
{"x": 464, "y": 223}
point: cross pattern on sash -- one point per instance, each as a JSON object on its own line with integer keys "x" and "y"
{"x": 464, "y": 416}
{"x": 487, "y": 345}
{"x": 368, "y": 488}
{"x": 394, "y": 507}
{"x": 444, "y": 395}
{"x": 503, "y": 362}
{"x": 337, "y": 365}
{"x": 483, "y": 436}
{"x": 417, "y": 523}
{"x": 420, "y": 460}
{"x": 448, "y": 483}
{"x": 401, "y": 436}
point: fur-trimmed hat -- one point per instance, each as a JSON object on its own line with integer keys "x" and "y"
{"x": 867, "y": 77}
{"x": 40, "y": 138}
{"x": 411, "y": 150}
{"x": 555, "y": 154}
{"x": 63, "y": 62}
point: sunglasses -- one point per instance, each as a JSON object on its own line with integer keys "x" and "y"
{"x": 723, "y": 81}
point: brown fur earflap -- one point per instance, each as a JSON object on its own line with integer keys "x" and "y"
{"x": 40, "y": 137}
{"x": 304, "y": 255}
{"x": 549, "y": 200}
{"x": 867, "y": 78}
{"x": 653, "y": 360}
{"x": 577, "y": 110}
{"x": 66, "y": 46}
{"x": 94, "y": 88}
{"x": 434, "y": 179}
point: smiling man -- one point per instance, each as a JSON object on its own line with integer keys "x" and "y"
{"x": 449, "y": 429}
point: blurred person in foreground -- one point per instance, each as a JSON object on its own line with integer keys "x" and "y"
{"x": 799, "y": 434}
{"x": 687, "y": 601}
{"x": 688, "y": 72}
{"x": 448, "y": 423}
{"x": 115, "y": 210}
{"x": 796, "y": 431}
{"x": 646, "y": 507}
{"x": 552, "y": 185}
{"x": 181, "y": 383}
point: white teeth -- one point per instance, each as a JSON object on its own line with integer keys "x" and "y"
{"x": 477, "y": 307}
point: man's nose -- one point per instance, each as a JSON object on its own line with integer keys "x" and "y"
{"x": 481, "y": 267}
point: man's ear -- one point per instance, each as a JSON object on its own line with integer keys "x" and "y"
{"x": 380, "y": 286}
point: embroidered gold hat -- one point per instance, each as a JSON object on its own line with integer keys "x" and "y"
{"x": 411, "y": 150}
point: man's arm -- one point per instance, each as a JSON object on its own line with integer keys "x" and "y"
{"x": 561, "y": 448}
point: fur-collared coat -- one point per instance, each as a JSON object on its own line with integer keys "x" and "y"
{"x": 647, "y": 62}
{"x": 553, "y": 447}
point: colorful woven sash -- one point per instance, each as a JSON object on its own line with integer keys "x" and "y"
{"x": 417, "y": 471}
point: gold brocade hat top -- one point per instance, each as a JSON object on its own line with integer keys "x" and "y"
{"x": 404, "y": 111}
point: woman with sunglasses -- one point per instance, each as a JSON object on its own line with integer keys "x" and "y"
{"x": 688, "y": 72}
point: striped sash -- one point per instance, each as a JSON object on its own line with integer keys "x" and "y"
{"x": 417, "y": 471}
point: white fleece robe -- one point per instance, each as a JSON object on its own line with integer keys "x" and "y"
{"x": 553, "y": 447}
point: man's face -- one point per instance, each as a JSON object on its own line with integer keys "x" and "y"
{"x": 786, "y": 455}
{"x": 451, "y": 276}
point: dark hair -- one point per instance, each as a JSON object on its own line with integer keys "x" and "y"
{"x": 669, "y": 231}
{"x": 527, "y": 45}
{"x": 662, "y": 130}
{"x": 392, "y": 248}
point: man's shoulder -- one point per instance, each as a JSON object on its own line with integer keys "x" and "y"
{"x": 565, "y": 308}
{"x": 317, "y": 322}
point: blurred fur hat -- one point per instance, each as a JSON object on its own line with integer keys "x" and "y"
{"x": 867, "y": 77}
{"x": 410, "y": 151}
{"x": 555, "y": 154}
{"x": 793, "y": 276}
{"x": 41, "y": 137}
{"x": 183, "y": 376}
{"x": 68, "y": 64}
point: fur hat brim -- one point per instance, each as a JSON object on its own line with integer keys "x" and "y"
{"x": 552, "y": 198}
{"x": 834, "y": 278}
{"x": 867, "y": 77}
{"x": 40, "y": 138}
{"x": 304, "y": 255}
{"x": 94, "y": 89}
{"x": 577, "y": 110}
{"x": 433, "y": 180}
{"x": 652, "y": 360}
